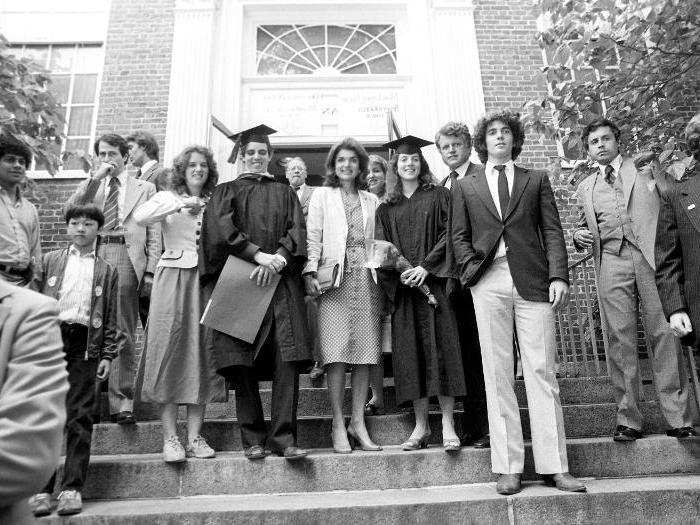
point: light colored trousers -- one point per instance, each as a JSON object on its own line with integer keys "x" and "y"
{"x": 499, "y": 308}
{"x": 123, "y": 372}
{"x": 626, "y": 279}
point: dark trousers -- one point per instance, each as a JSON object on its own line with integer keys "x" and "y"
{"x": 285, "y": 395}
{"x": 475, "y": 422}
{"x": 80, "y": 407}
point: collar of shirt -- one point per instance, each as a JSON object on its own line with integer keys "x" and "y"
{"x": 121, "y": 178}
{"x": 301, "y": 189}
{"x": 147, "y": 165}
{"x": 72, "y": 250}
{"x": 16, "y": 198}
{"x": 616, "y": 163}
{"x": 462, "y": 170}
{"x": 250, "y": 175}
{"x": 510, "y": 170}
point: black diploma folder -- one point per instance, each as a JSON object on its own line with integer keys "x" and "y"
{"x": 237, "y": 305}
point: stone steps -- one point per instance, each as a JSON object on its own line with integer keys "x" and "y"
{"x": 314, "y": 400}
{"x": 593, "y": 420}
{"x": 147, "y": 476}
{"x": 665, "y": 499}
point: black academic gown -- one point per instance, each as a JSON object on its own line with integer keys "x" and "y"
{"x": 250, "y": 213}
{"x": 425, "y": 340}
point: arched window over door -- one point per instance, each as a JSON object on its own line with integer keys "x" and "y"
{"x": 359, "y": 49}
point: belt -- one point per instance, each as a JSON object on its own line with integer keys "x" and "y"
{"x": 14, "y": 270}
{"x": 112, "y": 239}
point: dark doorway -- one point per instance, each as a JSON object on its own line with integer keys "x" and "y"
{"x": 314, "y": 157}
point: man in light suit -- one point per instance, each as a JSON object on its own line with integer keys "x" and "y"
{"x": 33, "y": 386}
{"x": 619, "y": 210}
{"x": 509, "y": 248}
{"x": 131, "y": 249}
{"x": 454, "y": 142}
{"x": 143, "y": 154}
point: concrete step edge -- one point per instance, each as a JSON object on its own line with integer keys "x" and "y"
{"x": 535, "y": 495}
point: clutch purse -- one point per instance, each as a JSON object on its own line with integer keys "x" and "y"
{"x": 326, "y": 274}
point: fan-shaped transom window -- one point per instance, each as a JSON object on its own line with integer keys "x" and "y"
{"x": 360, "y": 49}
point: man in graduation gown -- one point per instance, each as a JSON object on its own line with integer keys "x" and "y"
{"x": 260, "y": 220}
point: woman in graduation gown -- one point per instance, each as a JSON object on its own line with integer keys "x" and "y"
{"x": 425, "y": 342}
{"x": 341, "y": 217}
{"x": 260, "y": 220}
{"x": 175, "y": 367}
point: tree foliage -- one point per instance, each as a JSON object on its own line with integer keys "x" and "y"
{"x": 638, "y": 61}
{"x": 28, "y": 110}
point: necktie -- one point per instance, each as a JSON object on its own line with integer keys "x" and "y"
{"x": 138, "y": 173}
{"x": 503, "y": 193}
{"x": 453, "y": 179}
{"x": 111, "y": 208}
{"x": 609, "y": 177}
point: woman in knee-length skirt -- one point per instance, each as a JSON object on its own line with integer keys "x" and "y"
{"x": 341, "y": 217}
{"x": 175, "y": 365}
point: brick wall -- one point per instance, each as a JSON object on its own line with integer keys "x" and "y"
{"x": 49, "y": 196}
{"x": 138, "y": 49}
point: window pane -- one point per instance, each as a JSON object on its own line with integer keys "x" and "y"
{"x": 37, "y": 53}
{"x": 61, "y": 59}
{"x": 59, "y": 87}
{"x": 338, "y": 35}
{"x": 84, "y": 89}
{"x": 88, "y": 59}
{"x": 80, "y": 121}
{"x": 73, "y": 145}
{"x": 314, "y": 35}
{"x": 383, "y": 65}
{"x": 358, "y": 69}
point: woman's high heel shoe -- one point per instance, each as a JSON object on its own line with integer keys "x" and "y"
{"x": 369, "y": 447}
{"x": 416, "y": 444}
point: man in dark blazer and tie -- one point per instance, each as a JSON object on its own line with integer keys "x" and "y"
{"x": 677, "y": 251}
{"x": 509, "y": 248}
{"x": 454, "y": 142}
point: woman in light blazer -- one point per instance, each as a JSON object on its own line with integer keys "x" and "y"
{"x": 341, "y": 217}
{"x": 175, "y": 367}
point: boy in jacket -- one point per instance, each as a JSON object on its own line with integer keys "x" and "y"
{"x": 85, "y": 287}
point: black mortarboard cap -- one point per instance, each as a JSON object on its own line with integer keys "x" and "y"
{"x": 407, "y": 145}
{"x": 254, "y": 134}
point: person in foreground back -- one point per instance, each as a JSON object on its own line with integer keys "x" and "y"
{"x": 509, "y": 249}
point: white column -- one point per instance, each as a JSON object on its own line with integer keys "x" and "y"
{"x": 189, "y": 100}
{"x": 454, "y": 82}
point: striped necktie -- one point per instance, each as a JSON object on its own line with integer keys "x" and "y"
{"x": 111, "y": 208}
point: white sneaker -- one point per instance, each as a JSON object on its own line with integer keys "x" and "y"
{"x": 173, "y": 451}
{"x": 40, "y": 504}
{"x": 69, "y": 502}
{"x": 199, "y": 448}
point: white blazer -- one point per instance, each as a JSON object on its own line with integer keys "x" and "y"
{"x": 327, "y": 227}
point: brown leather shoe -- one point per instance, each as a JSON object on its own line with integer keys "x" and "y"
{"x": 508, "y": 484}
{"x": 564, "y": 481}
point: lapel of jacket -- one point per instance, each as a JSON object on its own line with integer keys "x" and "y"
{"x": 58, "y": 271}
{"x": 478, "y": 181}
{"x": 5, "y": 291}
{"x": 364, "y": 203}
{"x": 97, "y": 279}
{"x": 690, "y": 200}
{"x": 133, "y": 191}
{"x": 305, "y": 196}
{"x": 520, "y": 179}
{"x": 629, "y": 175}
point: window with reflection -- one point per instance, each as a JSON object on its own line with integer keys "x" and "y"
{"x": 75, "y": 70}
{"x": 356, "y": 49}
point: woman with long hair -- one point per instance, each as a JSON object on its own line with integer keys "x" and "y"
{"x": 175, "y": 365}
{"x": 341, "y": 217}
{"x": 425, "y": 343}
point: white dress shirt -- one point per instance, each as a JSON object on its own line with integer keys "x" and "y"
{"x": 492, "y": 180}
{"x": 300, "y": 190}
{"x": 616, "y": 163}
{"x": 461, "y": 172}
{"x": 75, "y": 295}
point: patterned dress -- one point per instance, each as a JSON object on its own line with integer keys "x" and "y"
{"x": 350, "y": 316}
